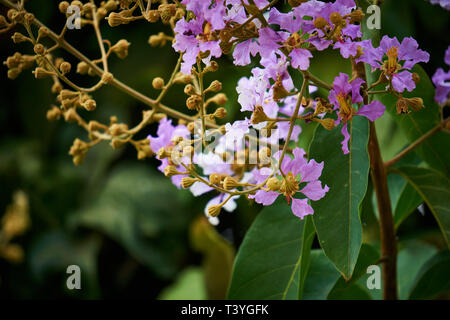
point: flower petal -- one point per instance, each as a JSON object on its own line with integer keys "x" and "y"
{"x": 301, "y": 208}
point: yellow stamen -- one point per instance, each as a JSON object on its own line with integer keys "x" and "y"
{"x": 346, "y": 110}
{"x": 392, "y": 55}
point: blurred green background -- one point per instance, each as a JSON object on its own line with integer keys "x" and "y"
{"x": 133, "y": 234}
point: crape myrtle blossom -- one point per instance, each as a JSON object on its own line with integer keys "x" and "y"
{"x": 164, "y": 135}
{"x": 343, "y": 96}
{"x": 301, "y": 180}
{"x": 441, "y": 80}
{"x": 198, "y": 34}
{"x": 400, "y": 58}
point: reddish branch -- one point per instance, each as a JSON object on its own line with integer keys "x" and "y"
{"x": 386, "y": 220}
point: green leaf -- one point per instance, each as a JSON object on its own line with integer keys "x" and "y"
{"x": 323, "y": 281}
{"x": 309, "y": 233}
{"x": 408, "y": 201}
{"x": 343, "y": 291}
{"x": 434, "y": 189}
{"x": 433, "y": 277}
{"x": 321, "y": 277}
{"x": 336, "y": 216}
{"x": 268, "y": 261}
{"x": 412, "y": 255}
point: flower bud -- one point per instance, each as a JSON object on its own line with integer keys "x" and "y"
{"x": 230, "y": 183}
{"x": 39, "y": 49}
{"x": 220, "y": 113}
{"x": 118, "y": 129}
{"x": 18, "y": 37}
{"x": 335, "y": 18}
{"x": 107, "y": 77}
{"x": 53, "y": 114}
{"x": 121, "y": 48}
{"x": 90, "y": 105}
{"x": 220, "y": 99}
{"x": 356, "y": 16}
{"x": 214, "y": 210}
{"x": 274, "y": 184}
{"x": 215, "y": 86}
{"x": 56, "y": 87}
{"x": 157, "y": 40}
{"x": 13, "y": 73}
{"x": 167, "y": 11}
{"x": 171, "y": 171}
{"x": 41, "y": 73}
{"x": 82, "y": 67}
{"x": 65, "y": 67}
{"x": 186, "y": 182}
{"x": 116, "y": 19}
{"x": 416, "y": 77}
{"x": 63, "y": 6}
{"x": 193, "y": 102}
{"x": 182, "y": 78}
{"x": 152, "y": 16}
{"x": 213, "y": 67}
{"x": 320, "y": 23}
{"x": 190, "y": 90}
{"x": 214, "y": 178}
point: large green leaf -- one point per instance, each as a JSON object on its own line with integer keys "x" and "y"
{"x": 412, "y": 255}
{"x": 336, "y": 216}
{"x": 434, "y": 189}
{"x": 433, "y": 277}
{"x": 268, "y": 261}
{"x": 408, "y": 201}
{"x": 323, "y": 281}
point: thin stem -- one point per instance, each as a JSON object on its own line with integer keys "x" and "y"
{"x": 292, "y": 122}
{"x": 414, "y": 145}
{"x": 99, "y": 37}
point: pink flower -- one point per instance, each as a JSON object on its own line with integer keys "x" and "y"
{"x": 301, "y": 178}
{"x": 343, "y": 96}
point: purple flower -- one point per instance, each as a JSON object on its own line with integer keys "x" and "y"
{"x": 300, "y": 58}
{"x": 196, "y": 35}
{"x": 396, "y": 72}
{"x": 441, "y": 80}
{"x": 343, "y": 96}
{"x": 301, "y": 177}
